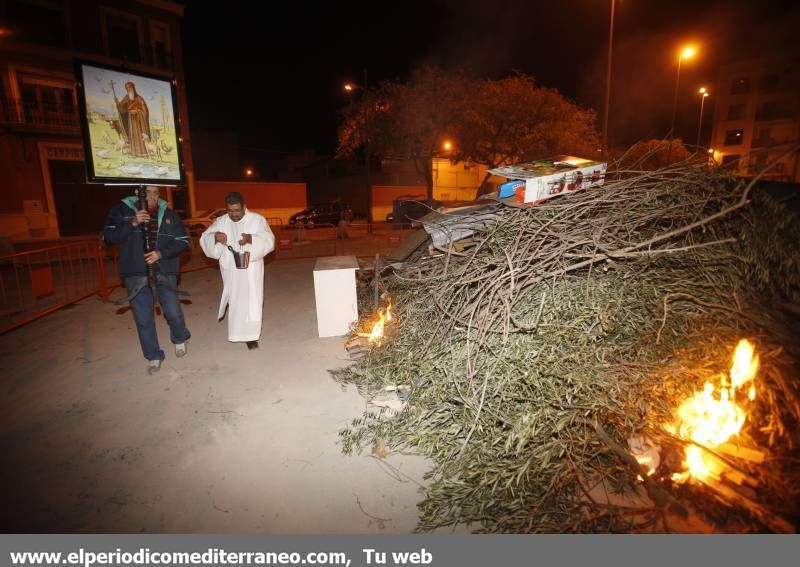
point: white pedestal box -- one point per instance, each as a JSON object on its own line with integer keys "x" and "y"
{"x": 335, "y": 294}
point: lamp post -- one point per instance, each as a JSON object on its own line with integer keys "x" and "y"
{"x": 703, "y": 92}
{"x": 686, "y": 53}
{"x": 608, "y": 83}
{"x": 349, "y": 89}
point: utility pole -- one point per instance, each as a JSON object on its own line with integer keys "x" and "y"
{"x": 608, "y": 84}
{"x": 367, "y": 153}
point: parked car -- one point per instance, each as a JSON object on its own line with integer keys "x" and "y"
{"x": 325, "y": 213}
{"x": 202, "y": 221}
{"x": 407, "y": 210}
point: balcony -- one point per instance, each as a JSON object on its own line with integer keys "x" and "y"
{"x": 39, "y": 116}
{"x": 776, "y": 172}
{"x": 764, "y": 142}
{"x": 774, "y": 110}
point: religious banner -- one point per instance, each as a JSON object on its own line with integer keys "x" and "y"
{"x": 130, "y": 126}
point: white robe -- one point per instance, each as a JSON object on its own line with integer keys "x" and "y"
{"x": 243, "y": 290}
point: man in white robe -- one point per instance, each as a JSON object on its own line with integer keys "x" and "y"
{"x": 243, "y": 288}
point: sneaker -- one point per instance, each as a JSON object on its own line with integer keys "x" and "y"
{"x": 180, "y": 349}
{"x": 153, "y": 366}
{"x": 251, "y": 345}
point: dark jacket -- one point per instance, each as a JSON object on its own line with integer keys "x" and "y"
{"x": 172, "y": 239}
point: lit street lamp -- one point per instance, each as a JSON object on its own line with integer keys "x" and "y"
{"x": 703, "y": 92}
{"x": 686, "y": 53}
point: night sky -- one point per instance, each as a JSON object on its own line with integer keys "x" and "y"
{"x": 273, "y": 72}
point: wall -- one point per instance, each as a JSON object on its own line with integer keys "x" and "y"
{"x": 457, "y": 181}
{"x": 274, "y": 200}
{"x": 24, "y": 176}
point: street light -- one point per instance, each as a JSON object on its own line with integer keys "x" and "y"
{"x": 447, "y": 145}
{"x": 687, "y": 53}
{"x": 703, "y": 92}
{"x": 248, "y": 172}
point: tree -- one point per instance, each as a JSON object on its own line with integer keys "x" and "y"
{"x": 512, "y": 120}
{"x": 406, "y": 120}
{"x": 654, "y": 154}
{"x": 492, "y": 122}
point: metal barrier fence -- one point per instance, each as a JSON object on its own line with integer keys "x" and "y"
{"x": 38, "y": 282}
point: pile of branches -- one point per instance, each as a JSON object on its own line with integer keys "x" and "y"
{"x": 572, "y": 325}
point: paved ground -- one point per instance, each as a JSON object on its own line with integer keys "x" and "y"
{"x": 224, "y": 440}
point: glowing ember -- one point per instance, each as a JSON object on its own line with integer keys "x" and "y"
{"x": 646, "y": 453}
{"x": 710, "y": 420}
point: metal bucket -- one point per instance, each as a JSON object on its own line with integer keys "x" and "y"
{"x": 241, "y": 259}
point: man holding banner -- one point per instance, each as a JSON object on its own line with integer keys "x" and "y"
{"x": 124, "y": 226}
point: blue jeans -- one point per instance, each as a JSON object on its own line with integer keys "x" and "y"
{"x": 142, "y": 308}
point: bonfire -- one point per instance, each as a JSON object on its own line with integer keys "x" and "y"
{"x": 661, "y": 308}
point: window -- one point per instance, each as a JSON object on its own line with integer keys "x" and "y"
{"x": 769, "y": 83}
{"x": 46, "y": 101}
{"x": 731, "y": 161}
{"x": 160, "y": 42}
{"x": 774, "y": 110}
{"x": 736, "y": 111}
{"x": 122, "y": 36}
{"x": 760, "y": 162}
{"x": 740, "y": 85}
{"x": 41, "y": 21}
{"x": 764, "y": 138}
{"x": 734, "y": 137}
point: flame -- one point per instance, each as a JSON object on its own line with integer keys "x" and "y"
{"x": 745, "y": 365}
{"x": 375, "y": 336}
{"x": 709, "y": 419}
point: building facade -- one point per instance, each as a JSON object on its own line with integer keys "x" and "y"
{"x": 42, "y": 174}
{"x": 757, "y": 117}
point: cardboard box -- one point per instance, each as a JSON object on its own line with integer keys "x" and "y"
{"x": 510, "y": 188}
{"x": 548, "y": 178}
